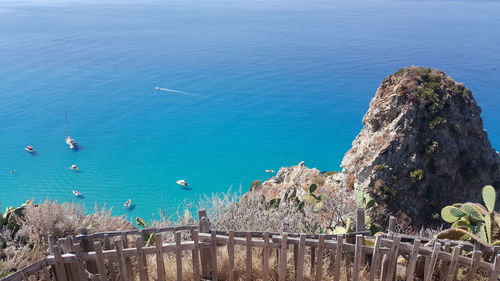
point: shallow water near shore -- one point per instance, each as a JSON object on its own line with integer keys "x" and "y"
{"x": 250, "y": 86}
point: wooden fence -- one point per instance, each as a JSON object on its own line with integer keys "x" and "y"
{"x": 196, "y": 252}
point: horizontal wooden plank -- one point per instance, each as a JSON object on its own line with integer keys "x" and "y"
{"x": 30, "y": 269}
{"x": 138, "y": 231}
{"x": 129, "y": 252}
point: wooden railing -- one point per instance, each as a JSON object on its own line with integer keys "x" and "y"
{"x": 196, "y": 252}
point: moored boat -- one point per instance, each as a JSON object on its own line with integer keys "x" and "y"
{"x": 30, "y": 149}
{"x": 182, "y": 182}
{"x": 71, "y": 142}
{"x": 128, "y": 203}
{"x": 74, "y": 167}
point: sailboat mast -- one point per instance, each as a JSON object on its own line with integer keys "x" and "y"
{"x": 66, "y": 122}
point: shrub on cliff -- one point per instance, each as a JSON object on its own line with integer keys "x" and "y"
{"x": 30, "y": 242}
{"x": 251, "y": 212}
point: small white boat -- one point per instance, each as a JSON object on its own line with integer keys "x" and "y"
{"x": 77, "y": 193}
{"x": 72, "y": 144}
{"x": 182, "y": 182}
{"x": 128, "y": 203}
{"x": 74, "y": 167}
{"x": 269, "y": 171}
{"x": 30, "y": 149}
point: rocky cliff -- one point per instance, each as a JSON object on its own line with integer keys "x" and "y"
{"x": 422, "y": 147}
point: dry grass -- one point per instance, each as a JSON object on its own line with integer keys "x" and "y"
{"x": 231, "y": 211}
{"x": 30, "y": 243}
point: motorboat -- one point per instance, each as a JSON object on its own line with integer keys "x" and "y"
{"x": 30, "y": 149}
{"x": 128, "y": 203}
{"x": 74, "y": 167}
{"x": 269, "y": 171}
{"x": 182, "y": 182}
{"x": 77, "y": 193}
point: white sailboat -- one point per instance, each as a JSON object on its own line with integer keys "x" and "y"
{"x": 71, "y": 142}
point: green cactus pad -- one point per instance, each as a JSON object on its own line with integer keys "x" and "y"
{"x": 489, "y": 197}
{"x": 473, "y": 214}
{"x": 451, "y": 214}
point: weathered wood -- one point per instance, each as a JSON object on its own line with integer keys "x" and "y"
{"x": 71, "y": 269}
{"x": 319, "y": 258}
{"x": 204, "y": 227}
{"x": 444, "y": 265}
{"x": 450, "y": 276}
{"x": 383, "y": 266}
{"x": 313, "y": 260}
{"x": 432, "y": 262}
{"x": 376, "y": 258}
{"x": 357, "y": 258}
{"x": 360, "y": 219}
{"x": 88, "y": 246}
{"x": 283, "y": 257}
{"x": 338, "y": 257}
{"x": 46, "y": 273}
{"x": 160, "y": 265}
{"x": 476, "y": 259}
{"x": 393, "y": 260}
{"x": 152, "y": 230}
{"x": 122, "y": 264}
{"x": 265, "y": 257}
{"x": 248, "y": 256}
{"x": 178, "y": 255}
{"x": 496, "y": 269}
{"x": 111, "y": 263}
{"x": 230, "y": 254}
{"x": 300, "y": 258}
{"x": 410, "y": 268}
{"x": 295, "y": 257}
{"x": 213, "y": 255}
{"x": 80, "y": 267}
{"x": 392, "y": 225}
{"x": 59, "y": 264}
{"x": 141, "y": 259}
{"x": 195, "y": 254}
{"x": 101, "y": 267}
{"x": 51, "y": 241}
{"x": 128, "y": 262}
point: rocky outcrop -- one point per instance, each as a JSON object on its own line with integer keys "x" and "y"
{"x": 295, "y": 181}
{"x": 422, "y": 147}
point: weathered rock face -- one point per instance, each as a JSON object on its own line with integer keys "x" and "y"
{"x": 422, "y": 147}
{"x": 296, "y": 180}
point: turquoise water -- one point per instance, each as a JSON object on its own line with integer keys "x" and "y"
{"x": 263, "y": 85}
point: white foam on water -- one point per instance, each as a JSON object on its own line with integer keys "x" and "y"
{"x": 176, "y": 91}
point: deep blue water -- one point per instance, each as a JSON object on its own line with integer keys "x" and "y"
{"x": 267, "y": 84}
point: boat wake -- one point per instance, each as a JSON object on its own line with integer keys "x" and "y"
{"x": 175, "y": 91}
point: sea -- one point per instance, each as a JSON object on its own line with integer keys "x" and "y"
{"x": 245, "y": 86}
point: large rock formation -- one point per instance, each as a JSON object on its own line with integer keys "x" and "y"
{"x": 422, "y": 147}
{"x": 296, "y": 180}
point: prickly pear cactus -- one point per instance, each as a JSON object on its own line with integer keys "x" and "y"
{"x": 472, "y": 221}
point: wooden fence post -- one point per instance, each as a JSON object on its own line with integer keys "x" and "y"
{"x": 360, "y": 219}
{"x": 205, "y": 259}
{"x": 392, "y": 225}
{"x": 88, "y": 246}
